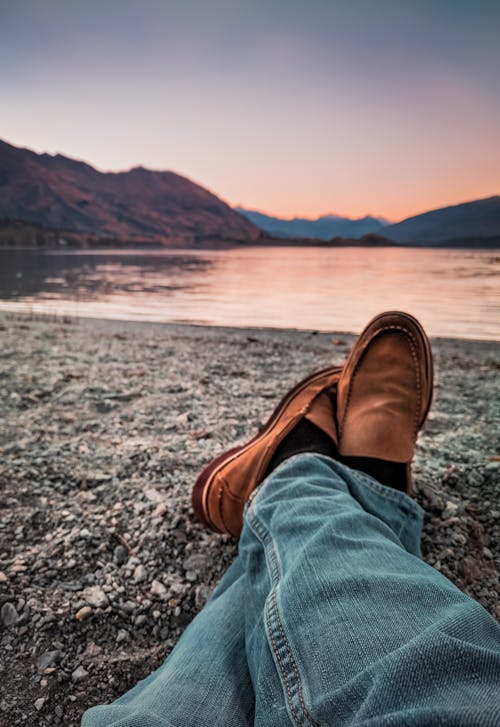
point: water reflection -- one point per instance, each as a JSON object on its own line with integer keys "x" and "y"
{"x": 27, "y": 274}
{"x": 453, "y": 292}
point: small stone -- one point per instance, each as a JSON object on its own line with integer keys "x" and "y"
{"x": 95, "y": 596}
{"x": 140, "y": 574}
{"x": 79, "y": 675}
{"x": 8, "y": 614}
{"x": 83, "y": 613}
{"x": 92, "y": 650}
{"x": 160, "y": 509}
{"x": 59, "y": 712}
{"x": 450, "y": 509}
{"x": 120, "y": 555}
{"x": 195, "y": 562}
{"x": 487, "y": 553}
{"x": 122, "y": 635}
{"x": 20, "y": 604}
{"x": 201, "y": 595}
{"x": 153, "y": 495}
{"x": 39, "y": 703}
{"x": 158, "y": 589}
{"x": 3, "y": 577}
{"x": 48, "y": 658}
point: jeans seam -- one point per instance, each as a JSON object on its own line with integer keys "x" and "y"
{"x": 265, "y": 539}
{"x": 409, "y": 509}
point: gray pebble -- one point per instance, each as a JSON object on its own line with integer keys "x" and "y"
{"x": 95, "y": 597}
{"x": 8, "y": 614}
{"x": 120, "y": 555}
{"x": 79, "y": 675}
{"x": 140, "y": 574}
{"x": 39, "y": 703}
{"x": 48, "y": 658}
{"x": 159, "y": 590}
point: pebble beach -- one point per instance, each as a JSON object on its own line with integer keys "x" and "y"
{"x": 104, "y": 427}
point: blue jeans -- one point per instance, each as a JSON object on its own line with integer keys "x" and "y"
{"x": 328, "y": 616}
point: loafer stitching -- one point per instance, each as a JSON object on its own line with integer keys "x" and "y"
{"x": 413, "y": 350}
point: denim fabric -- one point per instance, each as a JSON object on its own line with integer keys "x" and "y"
{"x": 328, "y": 616}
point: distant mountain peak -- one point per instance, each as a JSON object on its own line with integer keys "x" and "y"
{"x": 323, "y": 228}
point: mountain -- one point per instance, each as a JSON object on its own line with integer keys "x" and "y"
{"x": 322, "y": 228}
{"x": 140, "y": 205}
{"x": 470, "y": 224}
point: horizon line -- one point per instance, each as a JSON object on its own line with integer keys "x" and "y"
{"x": 296, "y": 216}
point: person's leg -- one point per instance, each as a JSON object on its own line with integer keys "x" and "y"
{"x": 204, "y": 681}
{"x": 328, "y": 616}
{"x": 342, "y": 611}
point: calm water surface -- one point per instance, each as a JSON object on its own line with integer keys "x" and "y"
{"x": 453, "y": 292}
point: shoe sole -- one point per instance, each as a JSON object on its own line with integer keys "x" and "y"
{"x": 203, "y": 485}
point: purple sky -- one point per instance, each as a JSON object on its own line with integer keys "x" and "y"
{"x": 294, "y": 108}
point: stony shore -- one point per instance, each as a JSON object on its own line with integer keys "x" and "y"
{"x": 104, "y": 427}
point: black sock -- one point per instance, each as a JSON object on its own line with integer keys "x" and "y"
{"x": 304, "y": 437}
{"x": 307, "y": 437}
{"x": 392, "y": 474}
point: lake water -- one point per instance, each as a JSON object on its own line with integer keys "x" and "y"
{"x": 453, "y": 292}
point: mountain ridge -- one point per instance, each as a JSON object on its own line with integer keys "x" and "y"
{"x": 324, "y": 227}
{"x": 50, "y": 199}
{"x": 475, "y": 220}
{"x": 141, "y": 205}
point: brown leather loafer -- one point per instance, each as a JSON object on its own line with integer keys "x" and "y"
{"x": 385, "y": 391}
{"x": 223, "y": 487}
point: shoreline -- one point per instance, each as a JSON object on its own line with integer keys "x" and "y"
{"x": 106, "y": 424}
{"x": 138, "y": 324}
{"x": 486, "y": 244}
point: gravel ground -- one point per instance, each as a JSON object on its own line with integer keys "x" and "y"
{"x": 105, "y": 426}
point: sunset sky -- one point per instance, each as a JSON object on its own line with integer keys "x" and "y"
{"x": 389, "y": 107}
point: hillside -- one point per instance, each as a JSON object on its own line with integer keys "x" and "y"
{"x": 322, "y": 228}
{"x": 472, "y": 223}
{"x": 140, "y": 205}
